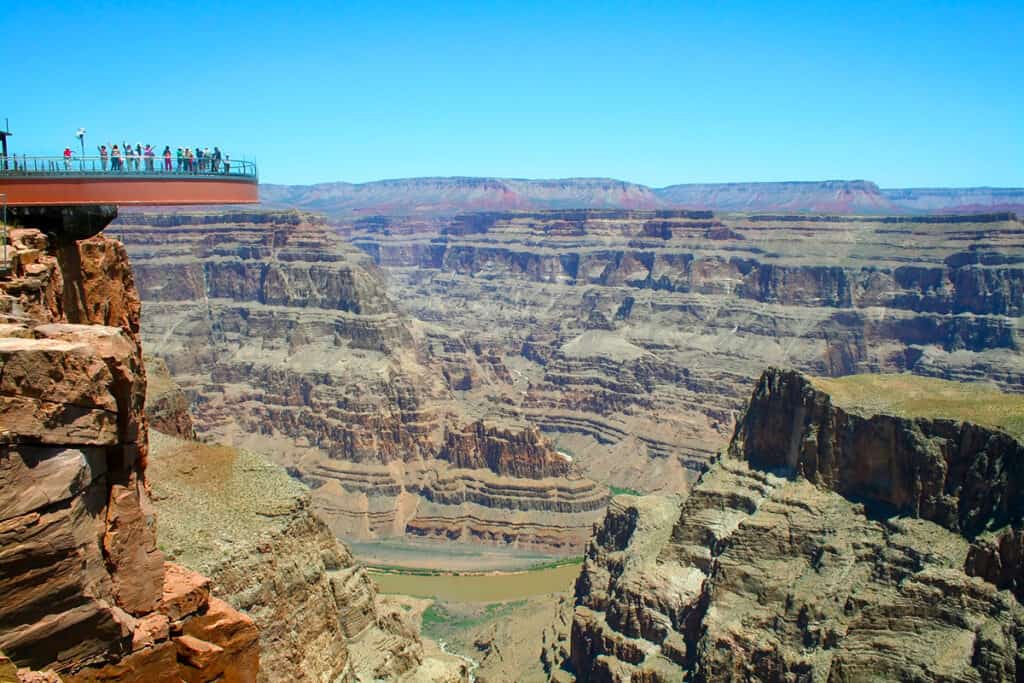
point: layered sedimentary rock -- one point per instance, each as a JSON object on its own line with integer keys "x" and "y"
{"x": 517, "y": 453}
{"x": 632, "y": 338}
{"x": 826, "y": 544}
{"x": 87, "y": 592}
{"x": 249, "y": 526}
{"x": 285, "y": 341}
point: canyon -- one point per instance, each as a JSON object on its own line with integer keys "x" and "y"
{"x": 491, "y": 380}
{"x": 633, "y": 338}
{"x": 286, "y": 342}
{"x": 488, "y": 377}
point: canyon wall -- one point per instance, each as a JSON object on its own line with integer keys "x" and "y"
{"x": 88, "y": 593}
{"x": 826, "y": 544}
{"x": 285, "y": 341}
{"x": 632, "y": 338}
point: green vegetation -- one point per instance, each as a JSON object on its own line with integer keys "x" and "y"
{"x": 410, "y": 571}
{"x": 912, "y": 396}
{"x": 420, "y": 571}
{"x": 623, "y": 491}
{"x": 441, "y": 621}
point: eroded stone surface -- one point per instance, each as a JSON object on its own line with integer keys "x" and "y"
{"x": 79, "y": 565}
{"x": 787, "y": 562}
{"x": 249, "y": 526}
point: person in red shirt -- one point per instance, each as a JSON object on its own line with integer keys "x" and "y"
{"x": 67, "y": 158}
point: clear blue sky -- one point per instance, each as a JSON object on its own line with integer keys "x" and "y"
{"x": 902, "y": 93}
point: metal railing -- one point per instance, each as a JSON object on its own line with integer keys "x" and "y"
{"x": 155, "y": 166}
{"x": 5, "y": 264}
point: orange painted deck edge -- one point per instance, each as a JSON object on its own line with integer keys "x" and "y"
{"x": 51, "y": 191}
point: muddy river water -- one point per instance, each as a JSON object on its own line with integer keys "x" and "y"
{"x": 493, "y": 587}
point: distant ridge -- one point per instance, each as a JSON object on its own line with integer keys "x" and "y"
{"x": 827, "y": 196}
{"x": 448, "y": 196}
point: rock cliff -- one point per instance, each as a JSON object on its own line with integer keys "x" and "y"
{"x": 87, "y": 592}
{"x": 285, "y": 341}
{"x": 827, "y": 543}
{"x": 523, "y": 453}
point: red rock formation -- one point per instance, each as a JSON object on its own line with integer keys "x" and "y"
{"x": 88, "y": 593}
{"x": 516, "y": 453}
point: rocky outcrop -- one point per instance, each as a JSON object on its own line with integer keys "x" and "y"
{"x": 167, "y": 408}
{"x": 88, "y": 592}
{"x": 826, "y": 544}
{"x": 249, "y": 526}
{"x": 964, "y": 477}
{"x": 516, "y": 453}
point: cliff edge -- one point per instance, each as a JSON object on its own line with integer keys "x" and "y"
{"x": 827, "y": 543}
{"x": 87, "y": 593}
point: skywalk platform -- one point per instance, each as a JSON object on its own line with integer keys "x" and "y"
{"x": 88, "y": 181}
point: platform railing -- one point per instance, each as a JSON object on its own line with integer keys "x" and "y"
{"x": 23, "y": 165}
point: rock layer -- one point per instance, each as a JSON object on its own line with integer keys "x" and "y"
{"x": 88, "y": 592}
{"x": 791, "y": 558}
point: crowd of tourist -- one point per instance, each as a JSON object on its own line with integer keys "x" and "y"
{"x": 141, "y": 158}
